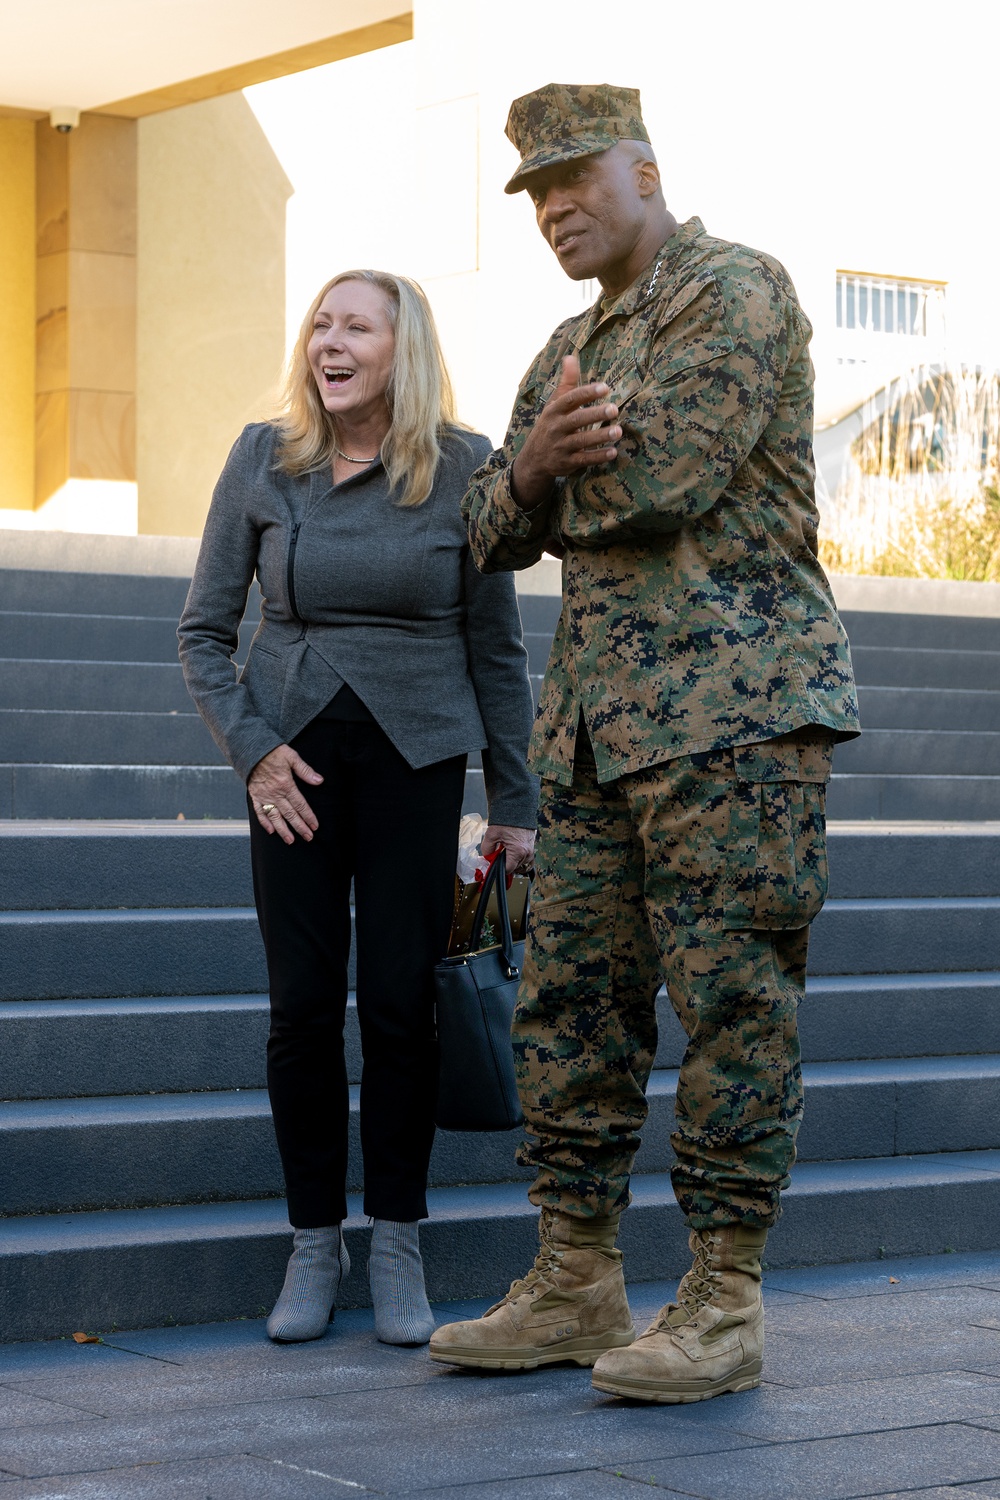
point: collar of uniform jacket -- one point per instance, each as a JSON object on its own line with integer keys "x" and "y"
{"x": 645, "y": 287}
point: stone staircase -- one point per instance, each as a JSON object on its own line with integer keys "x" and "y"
{"x": 138, "y": 1175}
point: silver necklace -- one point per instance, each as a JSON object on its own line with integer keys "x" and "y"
{"x": 351, "y": 460}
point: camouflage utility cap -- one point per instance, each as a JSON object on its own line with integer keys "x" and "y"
{"x": 564, "y": 120}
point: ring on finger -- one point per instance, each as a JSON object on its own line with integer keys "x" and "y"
{"x": 267, "y": 807}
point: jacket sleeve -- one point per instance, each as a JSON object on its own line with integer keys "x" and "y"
{"x": 712, "y": 386}
{"x": 208, "y": 633}
{"x": 503, "y": 537}
{"x": 498, "y": 665}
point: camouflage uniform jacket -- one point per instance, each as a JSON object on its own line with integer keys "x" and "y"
{"x": 695, "y": 611}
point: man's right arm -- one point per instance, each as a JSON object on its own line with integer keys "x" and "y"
{"x": 512, "y": 500}
{"x": 503, "y": 536}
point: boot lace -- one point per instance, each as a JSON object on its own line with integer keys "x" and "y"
{"x": 697, "y": 1288}
{"x": 541, "y": 1276}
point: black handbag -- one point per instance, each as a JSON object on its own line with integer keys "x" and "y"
{"x": 475, "y": 995}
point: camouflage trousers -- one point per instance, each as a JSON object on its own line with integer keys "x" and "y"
{"x": 704, "y": 871}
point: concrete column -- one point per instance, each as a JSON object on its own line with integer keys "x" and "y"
{"x": 17, "y": 313}
{"x": 86, "y": 275}
{"x": 449, "y": 40}
{"x": 211, "y": 298}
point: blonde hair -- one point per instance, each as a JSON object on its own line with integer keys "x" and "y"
{"x": 420, "y": 397}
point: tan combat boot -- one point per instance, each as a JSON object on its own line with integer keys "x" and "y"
{"x": 571, "y": 1306}
{"x": 711, "y": 1339}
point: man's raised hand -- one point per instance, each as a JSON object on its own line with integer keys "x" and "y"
{"x": 574, "y": 430}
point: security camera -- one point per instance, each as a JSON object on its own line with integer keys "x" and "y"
{"x": 64, "y": 118}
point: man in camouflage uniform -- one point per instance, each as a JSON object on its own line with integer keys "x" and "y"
{"x": 698, "y": 680}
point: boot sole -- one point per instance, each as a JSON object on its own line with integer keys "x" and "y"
{"x": 583, "y": 1352}
{"x": 674, "y": 1393}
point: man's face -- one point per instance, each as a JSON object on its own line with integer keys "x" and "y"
{"x": 592, "y": 211}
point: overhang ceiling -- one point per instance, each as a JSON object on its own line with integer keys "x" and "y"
{"x": 134, "y": 57}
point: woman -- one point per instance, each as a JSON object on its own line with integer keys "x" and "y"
{"x": 381, "y": 660}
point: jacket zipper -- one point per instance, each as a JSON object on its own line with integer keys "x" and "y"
{"x": 293, "y": 543}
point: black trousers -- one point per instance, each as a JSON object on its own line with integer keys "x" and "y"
{"x": 395, "y": 831}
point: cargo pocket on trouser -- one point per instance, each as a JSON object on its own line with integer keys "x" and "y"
{"x": 734, "y": 1159}
{"x": 778, "y": 876}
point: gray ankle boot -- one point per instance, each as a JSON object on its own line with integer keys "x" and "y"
{"x": 318, "y": 1265}
{"x": 396, "y": 1278}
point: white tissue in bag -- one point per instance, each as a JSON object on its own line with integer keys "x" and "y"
{"x": 470, "y": 836}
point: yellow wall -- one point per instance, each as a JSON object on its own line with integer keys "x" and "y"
{"x": 211, "y": 300}
{"x": 17, "y": 313}
{"x": 85, "y": 370}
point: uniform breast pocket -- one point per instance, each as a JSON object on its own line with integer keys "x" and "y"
{"x": 778, "y": 876}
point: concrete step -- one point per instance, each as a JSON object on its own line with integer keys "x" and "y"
{"x": 539, "y": 613}
{"x": 82, "y": 686}
{"x": 217, "y": 950}
{"x": 118, "y": 792}
{"x": 142, "y": 792}
{"x": 880, "y": 859}
{"x": 92, "y": 865}
{"x": 923, "y": 632}
{"x": 165, "y": 1044}
{"x": 846, "y": 1016}
{"x": 914, "y": 798}
{"x": 180, "y": 739}
{"x": 33, "y": 736}
{"x": 64, "y": 1155}
{"x": 904, "y": 666}
{"x": 900, "y": 1107}
{"x": 59, "y": 634}
{"x": 67, "y": 1155}
{"x": 537, "y": 644}
{"x": 31, "y": 636}
{"x": 906, "y": 934}
{"x": 179, "y": 1043}
{"x": 903, "y": 708}
{"x": 41, "y": 591}
{"x": 198, "y": 1263}
{"x": 89, "y": 954}
{"x": 920, "y": 752}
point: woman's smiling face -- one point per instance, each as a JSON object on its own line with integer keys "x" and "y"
{"x": 350, "y": 352}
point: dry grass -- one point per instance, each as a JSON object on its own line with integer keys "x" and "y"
{"x": 942, "y": 538}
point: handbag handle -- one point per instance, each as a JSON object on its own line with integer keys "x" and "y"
{"x": 495, "y": 879}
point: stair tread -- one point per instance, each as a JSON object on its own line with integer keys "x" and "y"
{"x": 210, "y": 1105}
{"x": 130, "y": 914}
{"x": 818, "y": 984}
{"x": 136, "y": 713}
{"x": 986, "y": 653}
{"x": 119, "y": 1227}
{"x": 126, "y": 827}
{"x": 911, "y": 903}
{"x": 141, "y": 1005}
{"x": 160, "y": 914}
{"x": 821, "y": 984}
{"x": 910, "y": 827}
{"x": 901, "y": 1070}
{"x": 237, "y": 827}
{"x": 55, "y": 614}
{"x": 910, "y": 775}
{"x": 132, "y": 1109}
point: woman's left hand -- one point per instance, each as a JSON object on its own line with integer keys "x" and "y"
{"x": 518, "y": 842}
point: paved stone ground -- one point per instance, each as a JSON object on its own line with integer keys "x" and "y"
{"x": 882, "y": 1379}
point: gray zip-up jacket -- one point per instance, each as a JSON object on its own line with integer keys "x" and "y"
{"x": 357, "y": 589}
